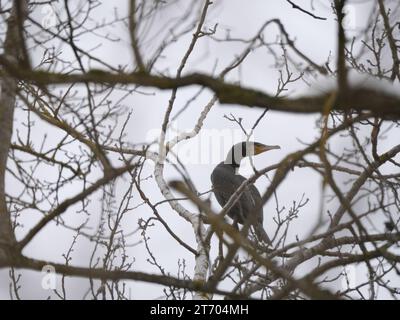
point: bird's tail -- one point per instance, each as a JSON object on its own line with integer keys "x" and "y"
{"x": 261, "y": 234}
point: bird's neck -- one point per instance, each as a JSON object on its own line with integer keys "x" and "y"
{"x": 233, "y": 159}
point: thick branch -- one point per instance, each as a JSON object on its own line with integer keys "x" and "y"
{"x": 8, "y": 88}
{"x": 357, "y": 99}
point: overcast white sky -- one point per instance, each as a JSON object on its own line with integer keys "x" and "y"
{"x": 243, "y": 18}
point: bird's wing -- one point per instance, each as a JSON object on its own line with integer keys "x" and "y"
{"x": 225, "y": 183}
{"x": 253, "y": 195}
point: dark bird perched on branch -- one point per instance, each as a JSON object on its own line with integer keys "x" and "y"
{"x": 226, "y": 180}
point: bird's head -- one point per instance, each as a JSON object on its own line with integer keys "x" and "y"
{"x": 250, "y": 148}
{"x": 247, "y": 149}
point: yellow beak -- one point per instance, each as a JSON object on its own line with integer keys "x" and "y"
{"x": 260, "y": 148}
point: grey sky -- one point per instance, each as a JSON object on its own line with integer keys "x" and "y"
{"x": 243, "y": 19}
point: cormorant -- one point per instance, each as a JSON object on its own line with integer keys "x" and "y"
{"x": 226, "y": 180}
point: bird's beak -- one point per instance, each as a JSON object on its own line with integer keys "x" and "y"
{"x": 262, "y": 148}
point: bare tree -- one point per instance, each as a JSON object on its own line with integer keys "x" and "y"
{"x": 69, "y": 165}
